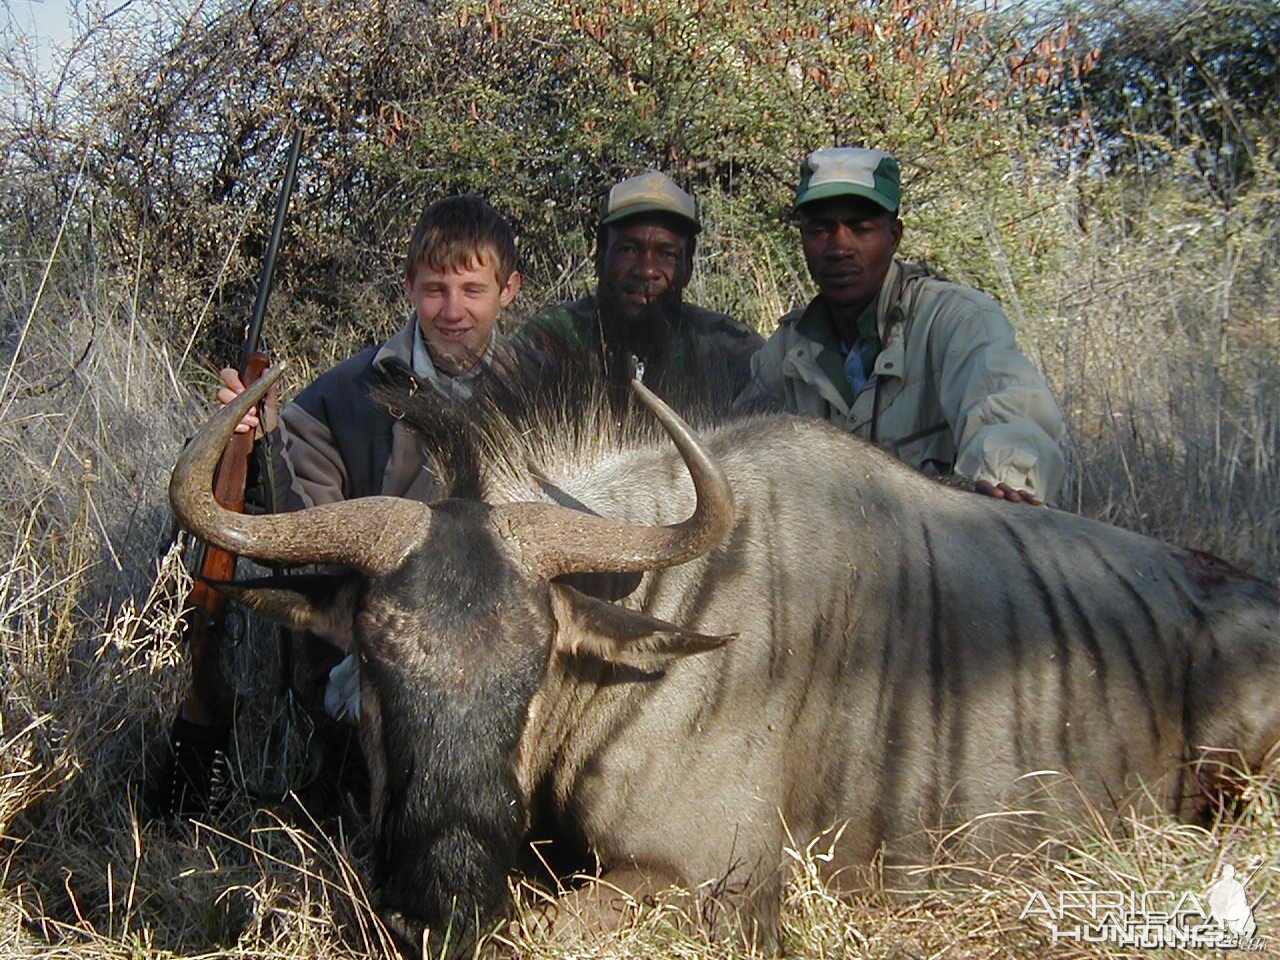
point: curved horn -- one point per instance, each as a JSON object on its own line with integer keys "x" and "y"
{"x": 371, "y": 534}
{"x": 557, "y": 540}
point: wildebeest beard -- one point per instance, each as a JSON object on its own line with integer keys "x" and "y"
{"x": 453, "y": 817}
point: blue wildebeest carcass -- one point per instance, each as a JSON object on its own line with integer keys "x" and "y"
{"x": 814, "y": 636}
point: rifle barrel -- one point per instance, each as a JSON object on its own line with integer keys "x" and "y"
{"x": 269, "y": 261}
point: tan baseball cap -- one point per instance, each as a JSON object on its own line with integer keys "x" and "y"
{"x": 850, "y": 171}
{"x": 649, "y": 192}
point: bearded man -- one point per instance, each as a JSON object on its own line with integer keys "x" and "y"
{"x": 637, "y": 323}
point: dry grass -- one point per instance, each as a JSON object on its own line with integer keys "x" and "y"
{"x": 91, "y": 670}
{"x": 1161, "y": 338}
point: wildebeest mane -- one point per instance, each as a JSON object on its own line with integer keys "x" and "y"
{"x": 535, "y": 406}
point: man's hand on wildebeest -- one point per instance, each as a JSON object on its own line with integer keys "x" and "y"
{"x": 1001, "y": 491}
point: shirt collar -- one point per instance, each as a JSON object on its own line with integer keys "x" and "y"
{"x": 817, "y": 325}
{"x": 458, "y": 386}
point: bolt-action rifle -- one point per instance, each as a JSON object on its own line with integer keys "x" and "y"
{"x": 199, "y": 739}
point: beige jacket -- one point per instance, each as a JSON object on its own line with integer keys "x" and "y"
{"x": 950, "y": 391}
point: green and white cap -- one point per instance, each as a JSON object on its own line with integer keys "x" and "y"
{"x": 649, "y": 192}
{"x": 850, "y": 171}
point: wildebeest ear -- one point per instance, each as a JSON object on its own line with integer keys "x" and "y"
{"x": 323, "y": 603}
{"x": 589, "y": 627}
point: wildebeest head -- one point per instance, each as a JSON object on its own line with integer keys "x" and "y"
{"x": 455, "y": 617}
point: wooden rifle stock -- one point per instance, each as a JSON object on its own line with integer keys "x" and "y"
{"x": 198, "y": 739}
{"x": 209, "y": 702}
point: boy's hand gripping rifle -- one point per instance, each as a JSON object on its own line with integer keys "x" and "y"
{"x": 200, "y": 732}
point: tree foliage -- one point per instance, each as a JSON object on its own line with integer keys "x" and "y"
{"x": 1196, "y": 75}
{"x": 540, "y": 105}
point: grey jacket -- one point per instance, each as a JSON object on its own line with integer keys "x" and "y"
{"x": 334, "y": 443}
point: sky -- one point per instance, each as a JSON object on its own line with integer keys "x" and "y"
{"x": 47, "y": 27}
{"x": 46, "y": 18}
{"x": 45, "y": 23}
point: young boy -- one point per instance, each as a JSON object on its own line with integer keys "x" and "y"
{"x": 333, "y": 442}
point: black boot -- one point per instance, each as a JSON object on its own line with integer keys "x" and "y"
{"x": 194, "y": 779}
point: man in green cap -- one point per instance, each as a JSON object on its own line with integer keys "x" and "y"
{"x": 637, "y": 323}
{"x": 890, "y": 352}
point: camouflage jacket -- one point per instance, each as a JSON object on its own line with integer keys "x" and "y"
{"x": 949, "y": 391}
{"x": 706, "y": 365}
